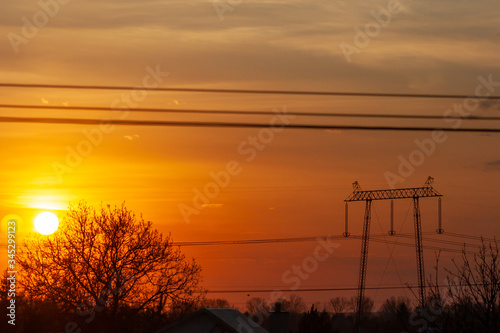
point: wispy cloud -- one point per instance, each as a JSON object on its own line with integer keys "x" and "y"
{"x": 132, "y": 137}
{"x": 493, "y": 165}
{"x": 490, "y": 105}
{"x": 212, "y": 205}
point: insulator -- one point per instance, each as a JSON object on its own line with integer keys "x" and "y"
{"x": 346, "y": 233}
{"x": 440, "y": 229}
{"x": 392, "y": 232}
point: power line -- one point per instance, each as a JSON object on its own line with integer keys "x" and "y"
{"x": 375, "y": 238}
{"x": 237, "y": 291}
{"x": 246, "y": 91}
{"x": 380, "y": 238}
{"x": 252, "y": 241}
{"x": 391, "y": 251}
{"x": 266, "y": 240}
{"x": 257, "y": 241}
{"x": 242, "y": 112}
{"x": 477, "y": 238}
{"x": 443, "y": 241}
{"x": 425, "y": 247}
{"x": 260, "y": 241}
{"x": 70, "y": 121}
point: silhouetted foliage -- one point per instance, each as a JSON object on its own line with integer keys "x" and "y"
{"x": 338, "y": 305}
{"x": 395, "y": 312}
{"x": 366, "y": 306}
{"x": 106, "y": 266}
{"x": 257, "y": 305}
{"x": 474, "y": 289}
{"x": 315, "y": 321}
{"x": 294, "y": 304}
{"x": 109, "y": 271}
{"x": 215, "y": 303}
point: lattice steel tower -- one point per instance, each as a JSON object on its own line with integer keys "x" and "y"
{"x": 414, "y": 193}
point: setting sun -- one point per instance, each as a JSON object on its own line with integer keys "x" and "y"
{"x": 260, "y": 166}
{"x": 46, "y": 223}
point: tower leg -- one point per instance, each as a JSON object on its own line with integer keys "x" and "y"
{"x": 364, "y": 258}
{"x": 418, "y": 248}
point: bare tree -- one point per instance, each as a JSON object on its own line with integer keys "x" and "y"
{"x": 474, "y": 288}
{"x": 367, "y": 305}
{"x": 338, "y": 305}
{"x": 393, "y": 306}
{"x": 4, "y": 286}
{"x": 315, "y": 321}
{"x": 215, "y": 303}
{"x": 294, "y": 304}
{"x": 106, "y": 260}
{"x": 397, "y": 311}
{"x": 258, "y": 305}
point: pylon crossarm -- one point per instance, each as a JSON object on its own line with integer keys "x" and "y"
{"x": 401, "y": 193}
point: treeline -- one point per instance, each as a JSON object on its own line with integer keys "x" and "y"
{"x": 108, "y": 270}
{"x": 48, "y": 317}
{"x": 455, "y": 311}
{"x": 337, "y": 316}
{"x": 468, "y": 302}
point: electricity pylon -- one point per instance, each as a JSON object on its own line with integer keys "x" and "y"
{"x": 415, "y": 193}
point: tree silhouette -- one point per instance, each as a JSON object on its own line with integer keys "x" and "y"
{"x": 106, "y": 261}
{"x": 215, "y": 303}
{"x": 367, "y": 305}
{"x": 315, "y": 321}
{"x": 294, "y": 304}
{"x": 396, "y": 313}
{"x": 258, "y": 305}
{"x": 474, "y": 289}
{"x": 338, "y": 305}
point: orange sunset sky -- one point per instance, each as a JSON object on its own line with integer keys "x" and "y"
{"x": 295, "y": 183}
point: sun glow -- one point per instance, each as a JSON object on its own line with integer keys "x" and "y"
{"x": 46, "y": 223}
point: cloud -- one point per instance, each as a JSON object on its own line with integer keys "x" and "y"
{"x": 263, "y": 42}
{"x": 132, "y": 137}
{"x": 212, "y": 205}
{"x": 486, "y": 104}
{"x": 333, "y": 131}
{"x": 493, "y": 165}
